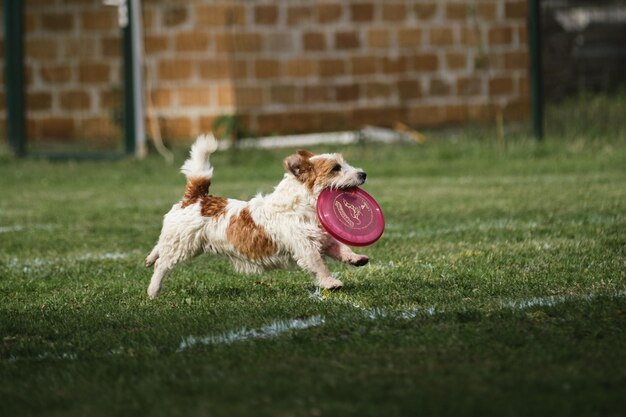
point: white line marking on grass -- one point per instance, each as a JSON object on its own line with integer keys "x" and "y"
{"x": 537, "y": 302}
{"x": 380, "y": 267}
{"x": 404, "y": 314}
{"x": 551, "y": 301}
{"x": 46, "y": 262}
{"x": 101, "y": 256}
{"x": 44, "y": 356}
{"x": 22, "y": 228}
{"x": 8, "y": 229}
{"x": 66, "y": 356}
{"x": 374, "y": 313}
{"x": 273, "y": 329}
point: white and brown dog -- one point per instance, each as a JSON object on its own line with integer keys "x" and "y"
{"x": 267, "y": 232}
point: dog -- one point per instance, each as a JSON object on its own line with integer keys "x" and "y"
{"x": 269, "y": 231}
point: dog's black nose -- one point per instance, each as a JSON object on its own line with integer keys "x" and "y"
{"x": 362, "y": 176}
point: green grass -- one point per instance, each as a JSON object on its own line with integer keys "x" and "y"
{"x": 497, "y": 289}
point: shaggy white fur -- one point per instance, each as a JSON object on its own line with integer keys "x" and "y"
{"x": 269, "y": 231}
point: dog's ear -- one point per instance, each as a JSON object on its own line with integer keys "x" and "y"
{"x": 305, "y": 154}
{"x": 298, "y": 164}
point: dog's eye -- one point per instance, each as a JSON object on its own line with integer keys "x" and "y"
{"x": 336, "y": 168}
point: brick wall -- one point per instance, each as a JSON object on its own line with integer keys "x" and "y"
{"x": 283, "y": 65}
{"x": 73, "y": 71}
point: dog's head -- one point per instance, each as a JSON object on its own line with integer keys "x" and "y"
{"x": 317, "y": 172}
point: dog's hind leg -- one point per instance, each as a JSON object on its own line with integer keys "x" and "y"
{"x": 154, "y": 255}
{"x": 167, "y": 260}
{"x": 160, "y": 269}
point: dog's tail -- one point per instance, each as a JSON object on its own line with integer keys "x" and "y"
{"x": 198, "y": 169}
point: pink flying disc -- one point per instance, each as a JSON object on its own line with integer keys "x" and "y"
{"x": 351, "y": 216}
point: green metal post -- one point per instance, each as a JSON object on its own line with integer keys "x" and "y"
{"x": 129, "y": 92}
{"x": 536, "y": 83}
{"x": 14, "y": 75}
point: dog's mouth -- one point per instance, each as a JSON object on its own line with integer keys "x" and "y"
{"x": 347, "y": 185}
{"x": 347, "y": 182}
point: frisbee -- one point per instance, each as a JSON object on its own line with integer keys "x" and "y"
{"x": 351, "y": 216}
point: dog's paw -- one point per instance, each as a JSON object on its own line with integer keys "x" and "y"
{"x": 151, "y": 259}
{"x": 153, "y": 292}
{"x": 360, "y": 260}
{"x": 330, "y": 284}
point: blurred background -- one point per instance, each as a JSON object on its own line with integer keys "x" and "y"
{"x": 263, "y": 67}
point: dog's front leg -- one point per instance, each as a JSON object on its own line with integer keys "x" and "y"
{"x": 312, "y": 262}
{"x": 343, "y": 253}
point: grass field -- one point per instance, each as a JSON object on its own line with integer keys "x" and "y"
{"x": 499, "y": 288}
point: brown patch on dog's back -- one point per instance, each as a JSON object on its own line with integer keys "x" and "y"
{"x": 211, "y": 206}
{"x": 197, "y": 190}
{"x": 249, "y": 238}
{"x": 194, "y": 189}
